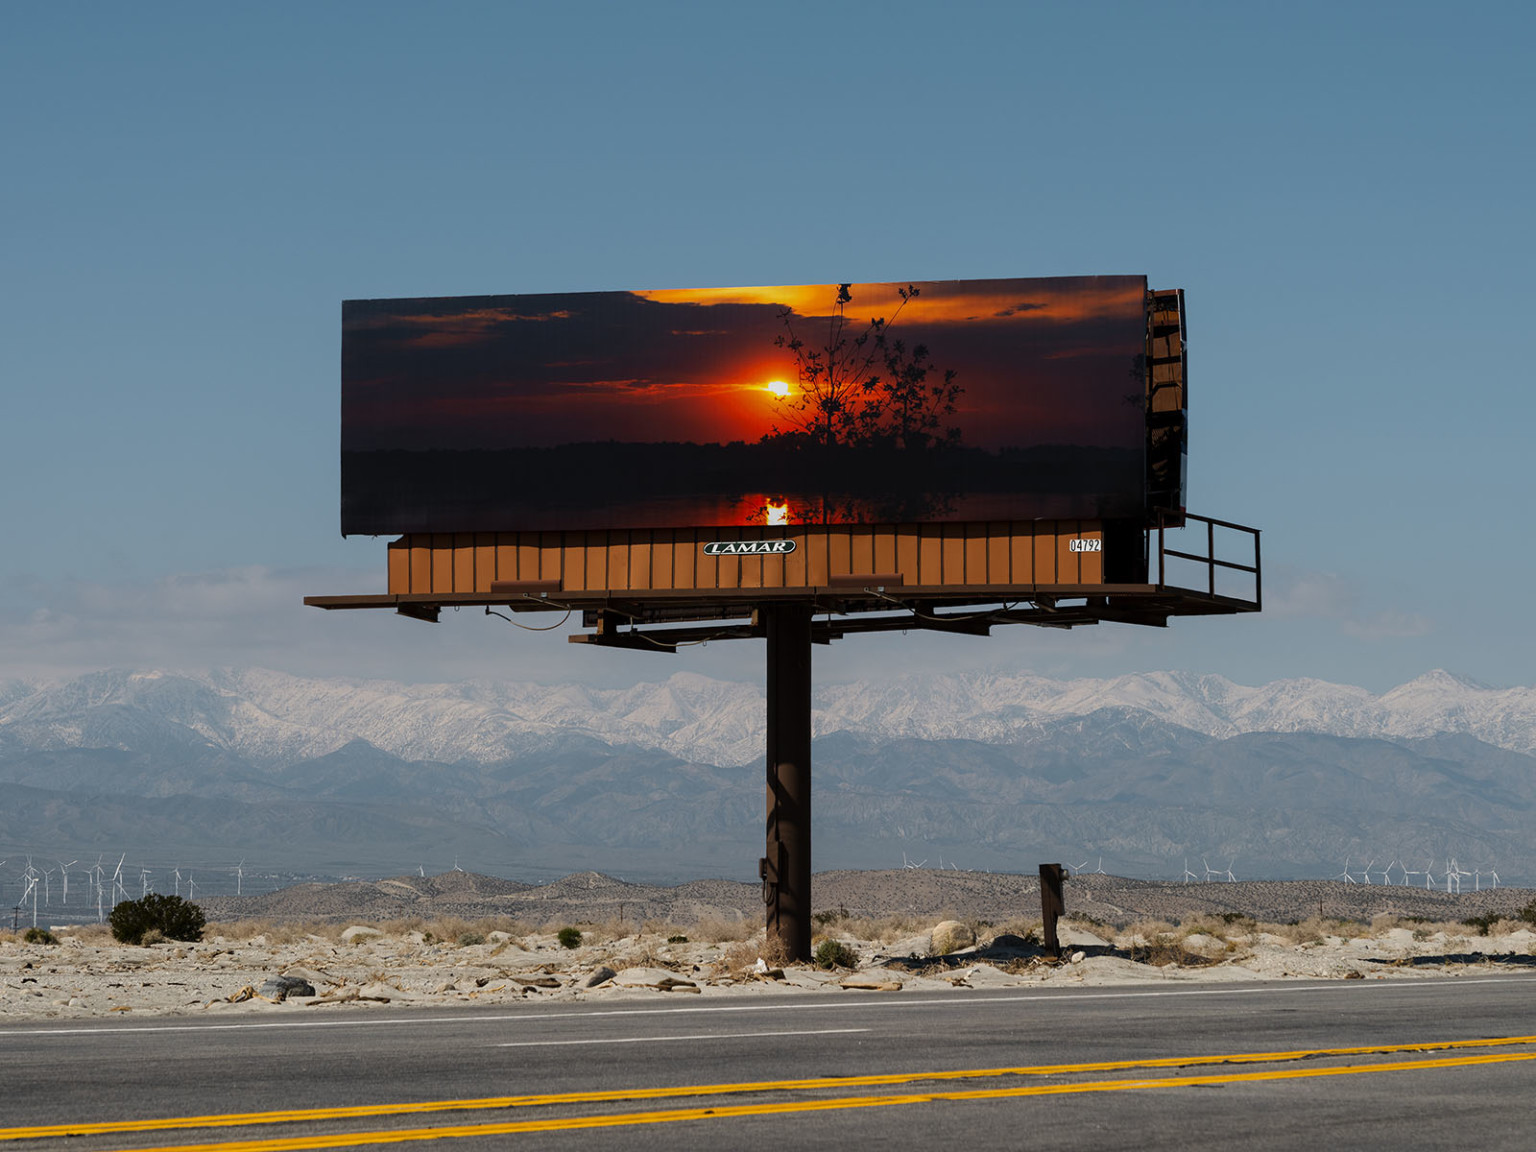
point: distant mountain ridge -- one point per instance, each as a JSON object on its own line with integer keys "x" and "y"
{"x": 270, "y": 716}
{"x": 665, "y": 779}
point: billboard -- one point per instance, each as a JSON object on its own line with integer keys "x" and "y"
{"x": 831, "y": 404}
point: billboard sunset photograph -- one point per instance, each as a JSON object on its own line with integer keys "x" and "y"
{"x": 806, "y": 404}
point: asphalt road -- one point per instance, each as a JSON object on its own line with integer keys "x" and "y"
{"x": 1249, "y": 1066}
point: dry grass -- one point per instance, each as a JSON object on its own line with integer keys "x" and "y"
{"x": 719, "y": 930}
{"x": 884, "y": 929}
{"x": 1144, "y": 932}
{"x": 739, "y": 959}
{"x": 276, "y": 931}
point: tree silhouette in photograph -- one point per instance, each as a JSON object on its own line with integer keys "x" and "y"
{"x": 868, "y": 403}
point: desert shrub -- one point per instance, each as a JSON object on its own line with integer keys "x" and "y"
{"x": 835, "y": 954}
{"x": 569, "y": 937}
{"x": 677, "y": 938}
{"x": 466, "y": 939}
{"x": 171, "y": 916}
{"x": 1528, "y": 913}
{"x": 830, "y": 916}
{"x": 37, "y": 935}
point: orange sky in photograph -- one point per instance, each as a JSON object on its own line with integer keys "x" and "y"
{"x": 1038, "y": 362}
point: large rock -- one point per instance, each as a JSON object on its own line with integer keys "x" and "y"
{"x": 951, "y": 936}
{"x": 282, "y": 987}
{"x": 600, "y": 975}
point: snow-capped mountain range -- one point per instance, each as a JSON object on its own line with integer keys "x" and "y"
{"x": 268, "y": 716}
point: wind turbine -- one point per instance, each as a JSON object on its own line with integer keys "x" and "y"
{"x": 1079, "y": 869}
{"x": 1407, "y": 874}
{"x": 1188, "y": 875}
{"x": 1495, "y": 876}
{"x": 64, "y": 876}
{"x": 1366, "y": 871}
{"x": 240, "y": 876}
{"x": 1344, "y": 875}
{"x": 1429, "y": 874}
{"x": 1231, "y": 879}
{"x": 176, "y": 871}
{"x": 1386, "y": 874}
{"x": 120, "y": 893}
{"x": 32, "y": 892}
{"x": 1458, "y": 874}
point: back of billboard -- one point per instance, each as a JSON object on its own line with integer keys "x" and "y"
{"x": 960, "y": 400}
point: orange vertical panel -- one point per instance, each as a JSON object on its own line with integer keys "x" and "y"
{"x": 839, "y": 551}
{"x": 463, "y": 562}
{"x": 906, "y": 553}
{"x": 883, "y": 544}
{"x": 527, "y": 556}
{"x": 618, "y": 560}
{"x": 506, "y": 556}
{"x": 399, "y": 559}
{"x": 485, "y": 560}
{"x": 1021, "y": 549}
{"x": 999, "y": 568}
{"x": 1066, "y": 559}
{"x": 930, "y": 555}
{"x": 684, "y": 558}
{"x": 421, "y": 564}
{"x": 952, "y": 552}
{"x": 573, "y": 561}
{"x": 439, "y": 563}
{"x": 795, "y": 564}
{"x": 640, "y": 560}
{"x": 773, "y": 571}
{"x": 663, "y": 556}
{"x": 861, "y": 550}
{"x": 976, "y": 554}
{"x": 751, "y": 572}
{"x": 1045, "y": 553}
{"x": 816, "y": 562}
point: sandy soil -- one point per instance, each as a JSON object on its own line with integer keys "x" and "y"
{"x": 362, "y": 967}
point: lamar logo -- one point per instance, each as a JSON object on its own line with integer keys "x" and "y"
{"x": 749, "y": 547}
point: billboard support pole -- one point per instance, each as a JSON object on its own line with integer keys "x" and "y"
{"x": 786, "y": 869}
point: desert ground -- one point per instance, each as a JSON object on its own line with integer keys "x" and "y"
{"x": 463, "y": 938}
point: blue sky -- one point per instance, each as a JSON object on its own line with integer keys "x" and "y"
{"x": 190, "y": 192}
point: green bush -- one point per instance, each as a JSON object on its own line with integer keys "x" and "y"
{"x": 168, "y": 917}
{"x": 677, "y": 938}
{"x": 835, "y": 954}
{"x": 37, "y": 935}
{"x": 1528, "y": 913}
{"x": 467, "y": 939}
{"x": 569, "y": 937}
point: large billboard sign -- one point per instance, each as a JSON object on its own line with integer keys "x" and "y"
{"x": 964, "y": 400}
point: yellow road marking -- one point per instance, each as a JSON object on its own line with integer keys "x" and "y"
{"x": 673, "y": 1116}
{"x": 362, "y": 1111}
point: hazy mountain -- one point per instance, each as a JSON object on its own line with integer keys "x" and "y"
{"x": 665, "y": 779}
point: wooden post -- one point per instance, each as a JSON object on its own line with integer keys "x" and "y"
{"x": 786, "y": 869}
{"x": 1052, "y": 904}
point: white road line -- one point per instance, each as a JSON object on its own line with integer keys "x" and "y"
{"x": 820, "y": 1004}
{"x": 662, "y": 1039}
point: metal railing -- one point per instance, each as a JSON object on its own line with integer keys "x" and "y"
{"x": 1209, "y": 559}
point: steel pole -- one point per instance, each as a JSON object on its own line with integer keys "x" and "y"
{"x": 786, "y": 870}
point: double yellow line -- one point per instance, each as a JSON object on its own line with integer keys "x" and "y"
{"x": 343, "y": 1140}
